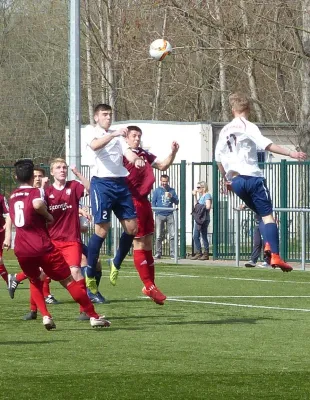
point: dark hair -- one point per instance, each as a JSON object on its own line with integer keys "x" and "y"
{"x": 40, "y": 169}
{"x": 165, "y": 176}
{"x": 102, "y": 107}
{"x": 134, "y": 128}
{"x": 24, "y": 170}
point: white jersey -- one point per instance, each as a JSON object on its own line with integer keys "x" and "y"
{"x": 106, "y": 162}
{"x": 237, "y": 147}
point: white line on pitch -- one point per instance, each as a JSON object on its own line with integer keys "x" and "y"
{"x": 239, "y": 305}
{"x": 238, "y": 297}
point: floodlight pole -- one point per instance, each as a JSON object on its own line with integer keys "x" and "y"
{"x": 74, "y": 87}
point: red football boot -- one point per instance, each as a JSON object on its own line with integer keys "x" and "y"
{"x": 155, "y": 294}
{"x": 277, "y": 262}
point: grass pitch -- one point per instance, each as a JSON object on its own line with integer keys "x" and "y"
{"x": 224, "y": 333}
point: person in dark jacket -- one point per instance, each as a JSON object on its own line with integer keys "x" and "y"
{"x": 201, "y": 216}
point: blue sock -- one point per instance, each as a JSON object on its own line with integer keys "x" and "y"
{"x": 94, "y": 246}
{"x": 98, "y": 277}
{"x": 262, "y": 230}
{"x": 83, "y": 269}
{"x": 125, "y": 243}
{"x": 272, "y": 237}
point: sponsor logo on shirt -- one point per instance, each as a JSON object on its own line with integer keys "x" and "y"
{"x": 63, "y": 207}
{"x": 68, "y": 192}
{"x": 51, "y": 196}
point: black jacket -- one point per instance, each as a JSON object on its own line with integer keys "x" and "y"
{"x": 200, "y": 214}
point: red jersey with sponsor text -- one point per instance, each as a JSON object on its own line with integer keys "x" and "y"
{"x": 32, "y": 238}
{"x": 3, "y": 210}
{"x": 140, "y": 180}
{"x": 63, "y": 204}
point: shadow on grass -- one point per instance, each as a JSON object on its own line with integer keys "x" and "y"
{"x": 219, "y": 321}
{"x": 23, "y": 342}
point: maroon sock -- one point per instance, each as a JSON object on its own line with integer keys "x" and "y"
{"x": 150, "y": 264}
{"x": 141, "y": 264}
{"x": 33, "y": 306}
{"x": 4, "y": 273}
{"x": 46, "y": 286}
{"x": 82, "y": 284}
{"x": 36, "y": 290}
{"x": 80, "y": 296}
{"x": 21, "y": 276}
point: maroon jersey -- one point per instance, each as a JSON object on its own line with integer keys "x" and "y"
{"x": 3, "y": 210}
{"x": 63, "y": 204}
{"x": 32, "y": 238}
{"x": 140, "y": 181}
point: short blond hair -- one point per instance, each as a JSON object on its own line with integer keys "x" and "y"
{"x": 56, "y": 161}
{"x": 204, "y": 185}
{"x": 240, "y": 102}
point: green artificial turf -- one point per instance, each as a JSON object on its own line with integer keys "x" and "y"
{"x": 211, "y": 340}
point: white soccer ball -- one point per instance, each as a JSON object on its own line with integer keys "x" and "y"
{"x": 159, "y": 49}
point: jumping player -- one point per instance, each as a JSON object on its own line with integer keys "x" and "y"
{"x": 236, "y": 155}
{"x": 140, "y": 183}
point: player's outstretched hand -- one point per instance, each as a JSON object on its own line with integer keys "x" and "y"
{"x": 7, "y": 243}
{"x": 74, "y": 169}
{"x": 45, "y": 182}
{"x": 139, "y": 163}
{"x": 120, "y": 132}
{"x": 298, "y": 155}
{"x": 175, "y": 147}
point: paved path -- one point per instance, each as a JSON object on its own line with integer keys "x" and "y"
{"x": 219, "y": 263}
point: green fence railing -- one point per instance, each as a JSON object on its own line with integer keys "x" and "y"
{"x": 288, "y": 182}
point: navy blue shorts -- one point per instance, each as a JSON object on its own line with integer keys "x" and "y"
{"x": 84, "y": 250}
{"x": 254, "y": 192}
{"x": 110, "y": 194}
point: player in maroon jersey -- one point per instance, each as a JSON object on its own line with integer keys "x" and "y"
{"x": 34, "y": 249}
{"x": 3, "y": 212}
{"x": 140, "y": 183}
{"x": 63, "y": 198}
{"x": 15, "y": 279}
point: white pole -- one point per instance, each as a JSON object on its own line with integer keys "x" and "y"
{"x": 74, "y": 87}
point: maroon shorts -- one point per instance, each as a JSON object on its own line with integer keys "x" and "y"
{"x": 2, "y": 235}
{"x": 71, "y": 251}
{"x": 53, "y": 264}
{"x": 144, "y": 217}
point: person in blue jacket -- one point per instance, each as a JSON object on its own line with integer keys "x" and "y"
{"x": 164, "y": 196}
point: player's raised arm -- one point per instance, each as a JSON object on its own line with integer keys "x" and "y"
{"x": 40, "y": 207}
{"x": 8, "y": 233}
{"x": 134, "y": 159}
{"x": 85, "y": 181}
{"x": 298, "y": 155}
{"x": 165, "y": 164}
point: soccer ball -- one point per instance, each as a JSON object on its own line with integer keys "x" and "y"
{"x": 159, "y": 49}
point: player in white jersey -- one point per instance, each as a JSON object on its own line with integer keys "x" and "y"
{"x": 236, "y": 155}
{"x": 108, "y": 188}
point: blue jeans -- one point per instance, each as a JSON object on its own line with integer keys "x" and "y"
{"x": 161, "y": 220}
{"x": 201, "y": 234}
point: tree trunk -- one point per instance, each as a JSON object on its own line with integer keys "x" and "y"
{"x": 159, "y": 77}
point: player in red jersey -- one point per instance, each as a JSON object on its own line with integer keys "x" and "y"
{"x": 140, "y": 183}
{"x": 3, "y": 212}
{"x": 34, "y": 249}
{"x": 63, "y": 198}
{"x": 15, "y": 279}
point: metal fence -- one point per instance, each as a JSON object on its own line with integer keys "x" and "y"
{"x": 288, "y": 182}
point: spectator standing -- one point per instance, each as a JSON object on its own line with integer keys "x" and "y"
{"x": 201, "y": 215}
{"x": 164, "y": 196}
